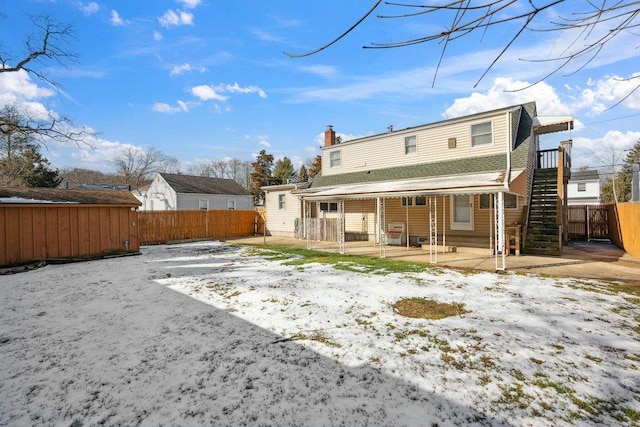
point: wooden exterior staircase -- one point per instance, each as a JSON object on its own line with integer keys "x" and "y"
{"x": 545, "y": 231}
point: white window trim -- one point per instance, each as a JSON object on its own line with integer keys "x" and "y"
{"x": 282, "y": 201}
{"x": 415, "y": 145}
{"x": 329, "y": 206}
{"x": 339, "y": 155}
{"x": 200, "y": 204}
{"x": 466, "y": 226}
{"x": 471, "y": 134}
{"x": 412, "y": 201}
{"x": 584, "y": 186}
{"x": 231, "y": 204}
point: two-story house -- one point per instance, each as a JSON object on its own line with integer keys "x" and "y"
{"x": 584, "y": 188}
{"x": 458, "y": 182}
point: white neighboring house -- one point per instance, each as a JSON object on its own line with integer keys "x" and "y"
{"x": 171, "y": 192}
{"x": 584, "y": 188}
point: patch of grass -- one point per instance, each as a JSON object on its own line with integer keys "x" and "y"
{"x": 513, "y": 394}
{"x": 593, "y": 358}
{"x": 355, "y": 263}
{"x": 632, "y": 416}
{"x": 423, "y": 308}
{"x": 317, "y": 337}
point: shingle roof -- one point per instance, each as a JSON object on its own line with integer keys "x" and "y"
{"x": 203, "y": 185}
{"x": 60, "y": 195}
{"x": 590, "y": 175}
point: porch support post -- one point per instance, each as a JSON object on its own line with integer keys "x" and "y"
{"x": 383, "y": 233}
{"x": 307, "y": 222}
{"x": 444, "y": 223}
{"x": 500, "y": 230}
{"x": 341, "y": 227}
{"x": 406, "y": 209}
{"x": 378, "y": 239}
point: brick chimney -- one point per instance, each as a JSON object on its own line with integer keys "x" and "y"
{"x": 329, "y": 137}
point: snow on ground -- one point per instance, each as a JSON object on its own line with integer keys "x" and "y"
{"x": 208, "y": 333}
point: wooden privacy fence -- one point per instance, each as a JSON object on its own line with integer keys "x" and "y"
{"x": 588, "y": 221}
{"x": 624, "y": 226}
{"x": 156, "y": 227}
{"x": 37, "y": 232}
{"x": 321, "y": 229}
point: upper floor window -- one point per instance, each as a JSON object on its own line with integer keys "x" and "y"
{"x": 231, "y": 204}
{"x": 481, "y": 134}
{"x": 582, "y": 186}
{"x": 334, "y": 158}
{"x": 281, "y": 201}
{"x": 203, "y": 204}
{"x": 410, "y": 146}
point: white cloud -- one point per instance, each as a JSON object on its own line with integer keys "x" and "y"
{"x": 325, "y": 71}
{"x": 236, "y": 88}
{"x": 180, "y": 69}
{"x": 190, "y": 4}
{"x": 505, "y": 92}
{"x": 18, "y": 85}
{"x": 605, "y": 93}
{"x": 264, "y": 143}
{"x": 157, "y": 36}
{"x": 206, "y": 93}
{"x": 177, "y": 18}
{"x": 90, "y": 8}
{"x": 162, "y": 107}
{"x": 601, "y": 152}
{"x": 117, "y": 20}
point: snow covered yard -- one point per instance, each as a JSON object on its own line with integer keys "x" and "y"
{"x": 208, "y": 333}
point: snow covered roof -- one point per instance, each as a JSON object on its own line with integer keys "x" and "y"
{"x": 59, "y": 195}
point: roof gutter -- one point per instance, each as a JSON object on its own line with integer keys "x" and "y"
{"x": 507, "y": 176}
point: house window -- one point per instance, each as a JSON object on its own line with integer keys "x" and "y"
{"x": 481, "y": 134}
{"x": 203, "y": 204}
{"x": 414, "y": 201}
{"x": 328, "y": 207}
{"x": 334, "y": 159}
{"x": 281, "y": 201}
{"x": 410, "y": 146}
{"x": 461, "y": 212}
{"x": 231, "y": 204}
{"x": 510, "y": 201}
{"x": 582, "y": 186}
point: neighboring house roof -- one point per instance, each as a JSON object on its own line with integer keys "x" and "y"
{"x": 58, "y": 195}
{"x": 203, "y": 185}
{"x": 589, "y": 175}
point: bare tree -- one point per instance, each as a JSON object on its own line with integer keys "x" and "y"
{"x": 47, "y": 43}
{"x": 137, "y": 165}
{"x": 597, "y": 24}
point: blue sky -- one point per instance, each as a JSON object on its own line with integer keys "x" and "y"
{"x": 204, "y": 80}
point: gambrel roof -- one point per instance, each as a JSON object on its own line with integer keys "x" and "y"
{"x": 203, "y": 185}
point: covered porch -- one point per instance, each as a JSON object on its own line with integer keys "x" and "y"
{"x": 431, "y": 218}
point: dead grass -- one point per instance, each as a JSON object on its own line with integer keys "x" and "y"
{"x": 422, "y": 308}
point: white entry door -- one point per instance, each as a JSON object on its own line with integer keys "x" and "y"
{"x": 462, "y": 212}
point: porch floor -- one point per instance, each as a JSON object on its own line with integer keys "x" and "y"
{"x": 590, "y": 260}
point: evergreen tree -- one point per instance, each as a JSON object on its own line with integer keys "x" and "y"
{"x": 315, "y": 166}
{"x": 40, "y": 174}
{"x": 261, "y": 175}
{"x": 303, "y": 176}
{"x": 625, "y": 175}
{"x": 283, "y": 170}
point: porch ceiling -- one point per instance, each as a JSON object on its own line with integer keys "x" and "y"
{"x": 453, "y": 184}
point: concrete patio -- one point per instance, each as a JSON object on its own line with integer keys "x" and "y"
{"x": 590, "y": 260}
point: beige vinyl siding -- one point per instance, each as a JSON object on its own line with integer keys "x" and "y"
{"x": 388, "y": 150}
{"x": 417, "y": 224}
{"x": 281, "y": 222}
